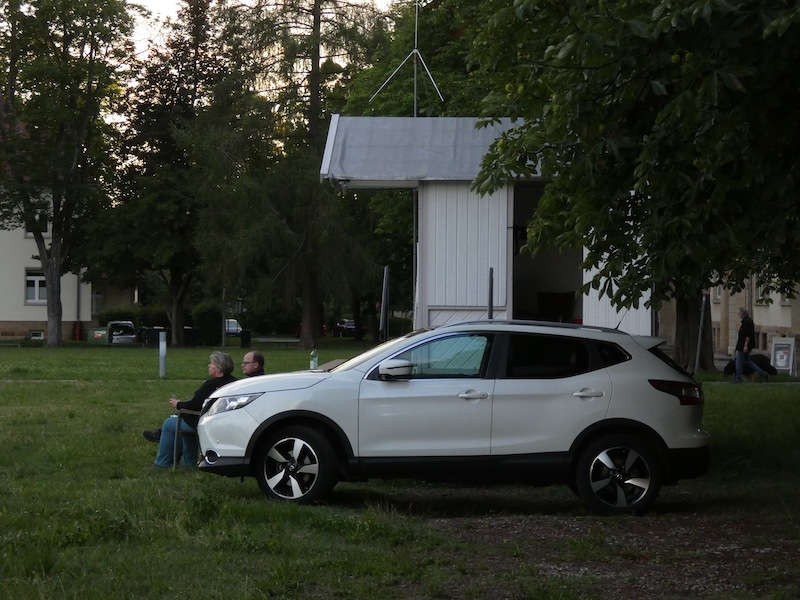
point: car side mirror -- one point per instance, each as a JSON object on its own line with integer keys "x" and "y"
{"x": 395, "y": 368}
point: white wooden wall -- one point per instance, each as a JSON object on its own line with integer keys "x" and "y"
{"x": 598, "y": 311}
{"x": 461, "y": 235}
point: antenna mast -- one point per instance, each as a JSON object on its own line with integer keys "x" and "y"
{"x": 417, "y": 55}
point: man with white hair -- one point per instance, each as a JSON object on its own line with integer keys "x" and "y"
{"x": 220, "y": 367}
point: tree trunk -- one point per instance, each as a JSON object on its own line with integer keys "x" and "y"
{"x": 177, "y": 285}
{"x": 50, "y": 259}
{"x": 355, "y": 308}
{"x": 315, "y": 82}
{"x": 309, "y": 324}
{"x": 52, "y": 275}
{"x": 687, "y": 322}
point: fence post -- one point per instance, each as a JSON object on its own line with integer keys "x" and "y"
{"x": 491, "y": 293}
{"x": 162, "y": 354}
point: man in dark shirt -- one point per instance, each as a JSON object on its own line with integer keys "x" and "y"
{"x": 744, "y": 343}
{"x": 220, "y": 367}
{"x": 253, "y": 364}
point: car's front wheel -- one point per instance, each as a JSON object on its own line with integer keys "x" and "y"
{"x": 618, "y": 474}
{"x": 296, "y": 464}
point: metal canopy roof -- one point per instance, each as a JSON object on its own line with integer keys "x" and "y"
{"x": 402, "y": 151}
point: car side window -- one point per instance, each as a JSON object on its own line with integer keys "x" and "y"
{"x": 533, "y": 356}
{"x": 453, "y": 356}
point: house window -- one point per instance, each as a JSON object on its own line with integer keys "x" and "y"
{"x": 716, "y": 294}
{"x": 35, "y": 288}
{"x": 786, "y": 300}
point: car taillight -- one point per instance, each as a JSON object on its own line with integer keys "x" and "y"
{"x": 689, "y": 394}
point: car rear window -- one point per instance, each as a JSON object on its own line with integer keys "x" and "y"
{"x": 666, "y": 358}
{"x": 609, "y": 354}
{"x": 546, "y": 357}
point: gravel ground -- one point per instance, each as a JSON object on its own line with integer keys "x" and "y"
{"x": 692, "y": 544}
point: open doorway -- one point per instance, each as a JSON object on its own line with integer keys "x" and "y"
{"x": 545, "y": 287}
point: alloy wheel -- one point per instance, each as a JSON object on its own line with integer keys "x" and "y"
{"x": 620, "y": 477}
{"x": 291, "y": 468}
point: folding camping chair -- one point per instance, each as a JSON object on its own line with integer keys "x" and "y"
{"x": 179, "y": 433}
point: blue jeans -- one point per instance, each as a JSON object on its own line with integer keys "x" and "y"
{"x": 166, "y": 445}
{"x": 743, "y": 359}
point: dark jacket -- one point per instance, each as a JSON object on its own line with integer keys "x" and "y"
{"x": 746, "y": 331}
{"x": 203, "y": 392}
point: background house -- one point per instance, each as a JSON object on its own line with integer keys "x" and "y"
{"x": 23, "y": 293}
{"x": 459, "y": 234}
{"x": 774, "y": 315}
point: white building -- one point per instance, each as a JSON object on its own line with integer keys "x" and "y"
{"x": 461, "y": 235}
{"x": 23, "y": 293}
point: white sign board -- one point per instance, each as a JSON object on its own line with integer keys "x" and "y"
{"x": 783, "y": 358}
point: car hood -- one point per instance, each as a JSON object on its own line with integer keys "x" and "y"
{"x": 272, "y": 383}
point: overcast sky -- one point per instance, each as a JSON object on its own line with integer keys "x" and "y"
{"x": 163, "y": 9}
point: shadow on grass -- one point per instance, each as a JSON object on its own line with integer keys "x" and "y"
{"x": 424, "y": 500}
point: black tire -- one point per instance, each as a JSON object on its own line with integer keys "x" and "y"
{"x": 618, "y": 474}
{"x": 296, "y": 464}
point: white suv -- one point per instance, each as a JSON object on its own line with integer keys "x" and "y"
{"x": 603, "y": 411}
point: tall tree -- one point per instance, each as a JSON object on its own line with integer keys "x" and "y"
{"x": 444, "y": 36}
{"x": 667, "y": 133}
{"x": 154, "y": 220}
{"x": 311, "y": 49}
{"x": 61, "y": 63}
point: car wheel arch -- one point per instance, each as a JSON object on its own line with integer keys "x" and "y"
{"x": 326, "y": 426}
{"x": 617, "y": 426}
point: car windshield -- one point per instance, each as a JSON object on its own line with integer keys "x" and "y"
{"x": 361, "y": 358}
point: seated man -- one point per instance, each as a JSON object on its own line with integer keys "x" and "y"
{"x": 220, "y": 367}
{"x": 253, "y": 364}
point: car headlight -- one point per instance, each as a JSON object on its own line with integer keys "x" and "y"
{"x": 227, "y": 403}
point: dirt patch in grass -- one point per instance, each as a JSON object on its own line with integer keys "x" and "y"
{"x": 540, "y": 542}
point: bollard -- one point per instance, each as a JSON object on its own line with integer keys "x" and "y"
{"x": 162, "y": 354}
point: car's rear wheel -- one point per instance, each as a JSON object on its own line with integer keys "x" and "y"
{"x": 296, "y": 464}
{"x": 618, "y": 474}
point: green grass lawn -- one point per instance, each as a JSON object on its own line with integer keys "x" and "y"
{"x": 84, "y": 514}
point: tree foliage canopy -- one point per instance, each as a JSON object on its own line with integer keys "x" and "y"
{"x": 667, "y": 132}
{"x": 61, "y": 66}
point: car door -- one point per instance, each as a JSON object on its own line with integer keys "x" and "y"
{"x": 547, "y": 394}
{"x": 442, "y": 409}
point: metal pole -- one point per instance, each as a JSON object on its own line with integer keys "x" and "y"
{"x": 162, "y": 354}
{"x": 384, "y": 328}
{"x": 223, "y": 316}
{"x": 700, "y": 331}
{"x": 416, "y": 26}
{"x": 491, "y": 293}
{"x": 415, "y": 240}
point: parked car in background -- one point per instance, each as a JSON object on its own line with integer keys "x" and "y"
{"x": 121, "y": 332}
{"x": 605, "y": 412}
{"x": 347, "y": 328}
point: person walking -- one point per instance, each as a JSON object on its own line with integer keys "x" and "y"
{"x": 744, "y": 343}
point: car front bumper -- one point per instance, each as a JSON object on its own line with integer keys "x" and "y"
{"x": 227, "y": 466}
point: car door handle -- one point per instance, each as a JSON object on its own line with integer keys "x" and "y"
{"x": 473, "y": 395}
{"x": 588, "y": 393}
